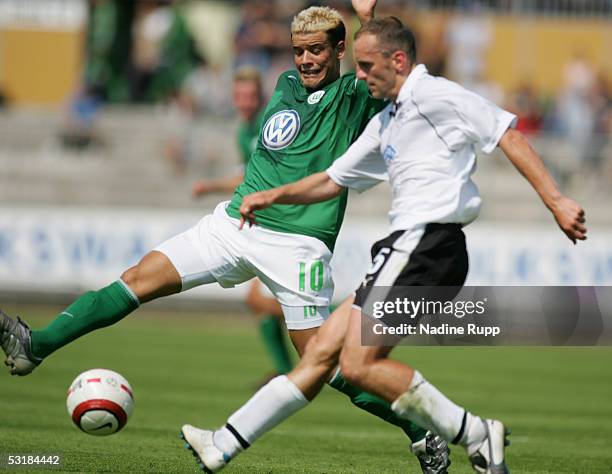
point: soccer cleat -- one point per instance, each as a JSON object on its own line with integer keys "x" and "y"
{"x": 16, "y": 343}
{"x": 200, "y": 442}
{"x": 433, "y": 454}
{"x": 488, "y": 457}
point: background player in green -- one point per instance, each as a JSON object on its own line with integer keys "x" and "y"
{"x": 311, "y": 119}
{"x": 248, "y": 98}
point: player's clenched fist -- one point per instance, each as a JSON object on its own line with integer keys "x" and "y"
{"x": 251, "y": 203}
{"x": 571, "y": 218}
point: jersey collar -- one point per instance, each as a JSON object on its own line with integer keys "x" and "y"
{"x": 409, "y": 84}
{"x": 304, "y": 93}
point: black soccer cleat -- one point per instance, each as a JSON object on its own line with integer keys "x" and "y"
{"x": 15, "y": 340}
{"x": 433, "y": 454}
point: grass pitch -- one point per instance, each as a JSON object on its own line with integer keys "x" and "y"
{"x": 197, "y": 369}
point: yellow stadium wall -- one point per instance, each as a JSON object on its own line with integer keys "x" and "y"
{"x": 39, "y": 67}
{"x": 537, "y": 49}
{"x": 43, "y": 67}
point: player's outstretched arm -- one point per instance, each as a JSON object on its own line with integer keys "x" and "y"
{"x": 567, "y": 212}
{"x": 221, "y": 185}
{"x": 364, "y": 10}
{"x": 314, "y": 188}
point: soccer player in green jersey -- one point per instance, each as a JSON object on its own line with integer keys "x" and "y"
{"x": 248, "y": 98}
{"x": 311, "y": 119}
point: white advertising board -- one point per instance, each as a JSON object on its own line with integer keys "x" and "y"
{"x": 72, "y": 250}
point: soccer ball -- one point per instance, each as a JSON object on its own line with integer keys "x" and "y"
{"x": 100, "y": 402}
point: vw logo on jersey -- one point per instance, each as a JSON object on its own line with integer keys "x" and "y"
{"x": 389, "y": 154}
{"x": 315, "y": 97}
{"x": 281, "y": 129}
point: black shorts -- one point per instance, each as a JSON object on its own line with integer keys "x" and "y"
{"x": 439, "y": 259}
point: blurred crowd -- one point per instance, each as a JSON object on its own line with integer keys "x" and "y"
{"x": 558, "y": 7}
{"x": 144, "y": 52}
{"x": 582, "y": 112}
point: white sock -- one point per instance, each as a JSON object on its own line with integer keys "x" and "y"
{"x": 473, "y": 434}
{"x": 227, "y": 442}
{"x": 425, "y": 405}
{"x": 273, "y": 403}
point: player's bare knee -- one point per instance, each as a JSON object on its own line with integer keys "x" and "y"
{"x": 328, "y": 355}
{"x": 352, "y": 367}
{"x": 143, "y": 286}
{"x": 251, "y": 301}
{"x": 153, "y": 277}
{"x": 254, "y": 302}
{"x": 310, "y": 346}
{"x": 319, "y": 352}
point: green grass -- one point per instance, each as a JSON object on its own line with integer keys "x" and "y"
{"x": 198, "y": 369}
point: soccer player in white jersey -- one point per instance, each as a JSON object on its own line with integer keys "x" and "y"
{"x": 424, "y": 142}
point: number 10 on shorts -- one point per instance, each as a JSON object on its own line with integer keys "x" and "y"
{"x": 315, "y": 275}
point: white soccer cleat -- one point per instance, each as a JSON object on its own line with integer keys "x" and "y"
{"x": 200, "y": 442}
{"x": 488, "y": 456}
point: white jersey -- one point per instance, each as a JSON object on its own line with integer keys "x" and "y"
{"x": 424, "y": 144}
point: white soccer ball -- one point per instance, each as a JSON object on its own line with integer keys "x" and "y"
{"x": 100, "y": 402}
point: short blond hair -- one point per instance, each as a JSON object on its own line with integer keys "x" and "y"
{"x": 315, "y": 19}
{"x": 249, "y": 74}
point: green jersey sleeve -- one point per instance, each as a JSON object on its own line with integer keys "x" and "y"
{"x": 302, "y": 133}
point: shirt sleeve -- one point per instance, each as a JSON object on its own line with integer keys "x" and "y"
{"x": 361, "y": 166}
{"x": 483, "y": 122}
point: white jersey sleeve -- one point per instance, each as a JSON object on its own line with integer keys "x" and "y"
{"x": 459, "y": 116}
{"x": 361, "y": 166}
{"x": 482, "y": 122}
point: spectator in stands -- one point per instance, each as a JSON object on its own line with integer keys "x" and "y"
{"x": 261, "y": 39}
{"x": 258, "y": 35}
{"x": 601, "y": 99}
{"x": 152, "y": 22}
{"x": 468, "y": 38}
{"x": 178, "y": 55}
{"x": 524, "y": 103}
{"x": 432, "y": 41}
{"x": 107, "y": 48}
{"x": 576, "y": 108}
{"x": 183, "y": 108}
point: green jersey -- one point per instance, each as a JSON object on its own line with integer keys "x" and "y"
{"x": 303, "y": 133}
{"x": 247, "y": 136}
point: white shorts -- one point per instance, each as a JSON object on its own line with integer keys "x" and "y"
{"x": 294, "y": 267}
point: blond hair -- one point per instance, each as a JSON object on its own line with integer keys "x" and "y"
{"x": 315, "y": 19}
{"x": 249, "y": 74}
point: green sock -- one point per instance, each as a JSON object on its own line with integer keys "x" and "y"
{"x": 92, "y": 310}
{"x": 273, "y": 336}
{"x": 378, "y": 407}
